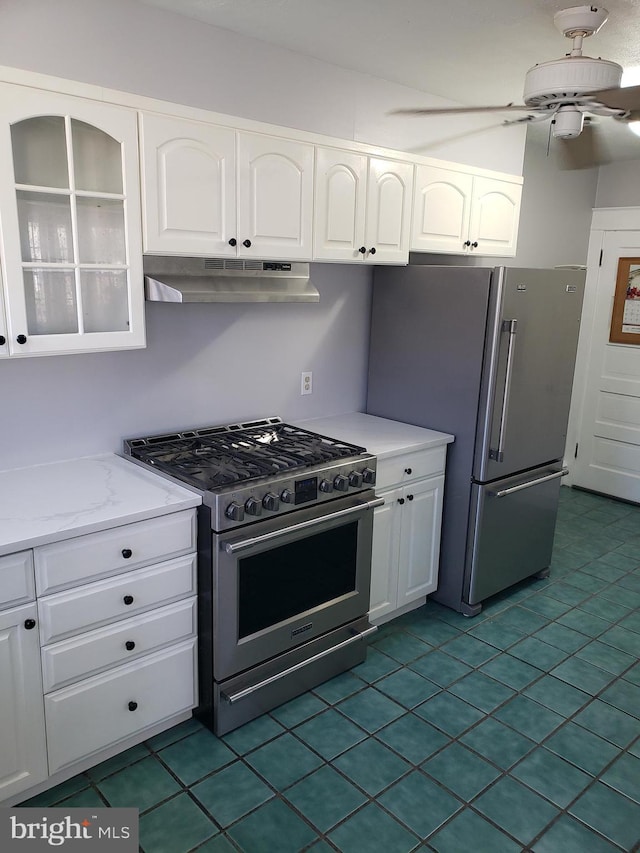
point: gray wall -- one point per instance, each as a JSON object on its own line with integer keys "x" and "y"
{"x": 619, "y": 185}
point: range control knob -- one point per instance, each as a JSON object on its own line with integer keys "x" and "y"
{"x": 325, "y": 486}
{"x": 369, "y": 476}
{"x": 271, "y": 502}
{"x": 235, "y": 512}
{"x": 286, "y": 496}
{"x": 252, "y": 506}
{"x": 341, "y": 483}
{"x": 355, "y": 479}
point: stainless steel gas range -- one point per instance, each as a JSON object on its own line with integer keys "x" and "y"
{"x": 284, "y": 545}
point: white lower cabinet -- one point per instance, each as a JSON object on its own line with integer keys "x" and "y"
{"x": 23, "y": 752}
{"x": 406, "y": 532}
{"x": 101, "y": 661}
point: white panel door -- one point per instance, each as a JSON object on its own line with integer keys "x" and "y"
{"x": 389, "y": 197}
{"x": 275, "y": 197}
{"x": 188, "y": 183}
{"x": 441, "y": 211}
{"x": 384, "y": 558}
{"x": 340, "y": 204}
{"x": 495, "y": 214}
{"x": 608, "y": 447}
{"x": 420, "y": 541}
{"x": 23, "y": 751}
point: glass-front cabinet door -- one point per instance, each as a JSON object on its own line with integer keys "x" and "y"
{"x": 70, "y": 219}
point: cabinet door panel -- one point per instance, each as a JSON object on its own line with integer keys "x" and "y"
{"x": 70, "y": 184}
{"x": 384, "y": 559}
{"x": 495, "y": 216}
{"x": 339, "y": 204}
{"x": 188, "y": 172}
{"x": 441, "y": 210}
{"x": 389, "y": 194}
{"x": 275, "y": 197}
{"x": 23, "y": 755}
{"x": 420, "y": 543}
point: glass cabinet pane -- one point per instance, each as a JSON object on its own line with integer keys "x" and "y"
{"x": 105, "y": 300}
{"x": 40, "y": 152}
{"x": 101, "y": 238}
{"x": 50, "y": 296}
{"x": 45, "y": 227}
{"x": 97, "y": 159}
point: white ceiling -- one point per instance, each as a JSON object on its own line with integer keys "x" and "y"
{"x": 469, "y": 51}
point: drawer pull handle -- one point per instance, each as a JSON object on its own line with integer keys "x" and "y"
{"x": 129, "y": 645}
{"x": 408, "y": 470}
{"x": 128, "y": 599}
{"x": 127, "y": 553}
{"x": 29, "y": 624}
{"x": 132, "y": 706}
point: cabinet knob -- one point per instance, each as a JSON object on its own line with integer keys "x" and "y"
{"x": 474, "y": 245}
{"x": 129, "y": 645}
{"x": 29, "y": 624}
{"x": 132, "y": 706}
{"x": 246, "y": 243}
{"x": 363, "y": 250}
{"x": 127, "y": 553}
{"x": 400, "y": 500}
{"x": 22, "y": 339}
{"x": 233, "y": 242}
{"x": 128, "y": 599}
{"x": 3, "y": 340}
{"x": 372, "y": 250}
{"x": 409, "y": 497}
{"x": 408, "y": 470}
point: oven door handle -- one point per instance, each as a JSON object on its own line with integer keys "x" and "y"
{"x": 243, "y": 544}
{"x": 242, "y": 694}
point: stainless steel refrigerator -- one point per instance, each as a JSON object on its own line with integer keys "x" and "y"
{"x": 486, "y": 354}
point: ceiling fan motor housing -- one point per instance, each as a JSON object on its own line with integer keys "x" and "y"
{"x": 569, "y": 77}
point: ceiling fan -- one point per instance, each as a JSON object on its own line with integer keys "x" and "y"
{"x": 563, "y": 90}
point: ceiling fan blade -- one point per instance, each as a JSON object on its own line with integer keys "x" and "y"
{"x": 583, "y": 152}
{"x": 625, "y": 98}
{"x": 453, "y": 110}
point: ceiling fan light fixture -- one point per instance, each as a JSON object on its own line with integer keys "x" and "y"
{"x": 567, "y": 123}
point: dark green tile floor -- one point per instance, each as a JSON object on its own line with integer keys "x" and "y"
{"x": 516, "y": 730}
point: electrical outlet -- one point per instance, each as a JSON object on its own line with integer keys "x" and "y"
{"x": 306, "y": 382}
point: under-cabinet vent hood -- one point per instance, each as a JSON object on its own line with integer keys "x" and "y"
{"x": 177, "y": 279}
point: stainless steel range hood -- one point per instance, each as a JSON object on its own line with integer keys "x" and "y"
{"x": 177, "y": 279}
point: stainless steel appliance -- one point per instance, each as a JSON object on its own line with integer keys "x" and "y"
{"x": 487, "y": 354}
{"x": 285, "y": 533}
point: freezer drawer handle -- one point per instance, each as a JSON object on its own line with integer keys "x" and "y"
{"x": 234, "y": 547}
{"x": 242, "y": 694}
{"x": 511, "y": 327}
{"x": 503, "y": 492}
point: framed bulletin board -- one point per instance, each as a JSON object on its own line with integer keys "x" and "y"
{"x": 625, "y": 317}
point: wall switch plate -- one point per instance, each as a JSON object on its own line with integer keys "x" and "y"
{"x": 306, "y": 382}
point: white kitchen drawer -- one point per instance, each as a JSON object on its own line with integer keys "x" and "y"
{"x": 99, "y": 711}
{"x": 16, "y": 579}
{"x": 95, "y": 651}
{"x": 109, "y": 552}
{"x": 92, "y": 605}
{"x": 407, "y": 467}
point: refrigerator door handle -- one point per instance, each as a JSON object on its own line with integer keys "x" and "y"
{"x": 510, "y": 326}
{"x": 504, "y": 492}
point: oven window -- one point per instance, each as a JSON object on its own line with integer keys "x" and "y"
{"x": 290, "y": 579}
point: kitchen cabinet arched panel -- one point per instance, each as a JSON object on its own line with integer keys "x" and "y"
{"x": 275, "y": 197}
{"x": 495, "y": 215}
{"x": 188, "y": 186}
{"x": 70, "y": 215}
{"x": 340, "y": 204}
{"x": 441, "y": 210}
{"x": 389, "y": 198}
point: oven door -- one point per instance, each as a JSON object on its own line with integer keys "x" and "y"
{"x": 280, "y": 583}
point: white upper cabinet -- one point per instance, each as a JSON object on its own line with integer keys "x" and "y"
{"x": 362, "y": 207}
{"x": 188, "y": 186}
{"x": 70, "y": 217}
{"x": 462, "y": 213}
{"x": 275, "y": 197}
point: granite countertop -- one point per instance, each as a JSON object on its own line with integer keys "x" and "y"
{"x": 380, "y": 436}
{"x": 47, "y": 503}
